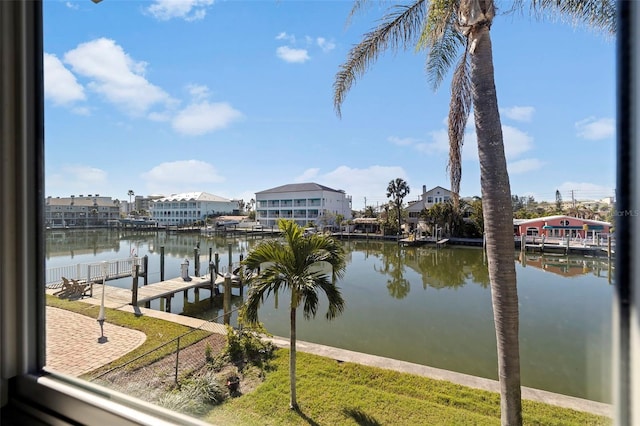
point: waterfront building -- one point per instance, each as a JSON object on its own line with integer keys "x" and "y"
{"x": 303, "y": 202}
{"x": 560, "y": 226}
{"x": 142, "y": 204}
{"x": 80, "y": 211}
{"x": 189, "y": 207}
{"x": 427, "y": 200}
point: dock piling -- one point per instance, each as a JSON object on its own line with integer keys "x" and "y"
{"x": 196, "y": 262}
{"x": 134, "y": 290}
{"x": 161, "y": 263}
{"x": 145, "y": 264}
{"x": 226, "y": 305}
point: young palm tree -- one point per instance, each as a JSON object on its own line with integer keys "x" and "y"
{"x": 295, "y": 264}
{"x": 460, "y": 30}
{"x": 130, "y": 193}
{"x": 398, "y": 189}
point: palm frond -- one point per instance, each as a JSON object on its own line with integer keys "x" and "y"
{"x": 441, "y": 39}
{"x": 598, "y": 14}
{"x": 459, "y": 109}
{"x": 442, "y": 55}
{"x": 334, "y": 296}
{"x": 259, "y": 290}
{"x": 399, "y": 28}
{"x": 293, "y": 265}
{"x": 441, "y": 14}
{"x": 358, "y": 6}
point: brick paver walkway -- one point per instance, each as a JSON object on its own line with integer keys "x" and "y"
{"x": 72, "y": 342}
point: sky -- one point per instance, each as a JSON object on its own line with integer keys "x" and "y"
{"x": 236, "y": 97}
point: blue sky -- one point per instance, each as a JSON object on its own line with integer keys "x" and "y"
{"x": 235, "y": 97}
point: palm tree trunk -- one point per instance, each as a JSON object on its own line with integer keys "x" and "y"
{"x": 293, "y": 403}
{"x": 498, "y": 225}
{"x": 399, "y": 223}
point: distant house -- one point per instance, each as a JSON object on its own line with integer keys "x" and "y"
{"x": 303, "y": 202}
{"x": 189, "y": 207}
{"x": 427, "y": 200}
{"x": 80, "y": 211}
{"x": 561, "y": 226}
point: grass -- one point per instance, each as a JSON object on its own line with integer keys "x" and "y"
{"x": 158, "y": 332}
{"x": 332, "y": 393}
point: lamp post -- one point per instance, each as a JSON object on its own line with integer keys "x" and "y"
{"x": 101, "y": 315}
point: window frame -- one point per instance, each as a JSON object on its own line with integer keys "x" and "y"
{"x": 27, "y": 392}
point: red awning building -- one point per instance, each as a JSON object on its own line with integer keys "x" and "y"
{"x": 561, "y": 226}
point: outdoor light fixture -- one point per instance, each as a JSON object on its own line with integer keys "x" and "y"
{"x": 101, "y": 315}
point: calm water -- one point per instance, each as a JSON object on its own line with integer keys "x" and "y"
{"x": 422, "y": 305}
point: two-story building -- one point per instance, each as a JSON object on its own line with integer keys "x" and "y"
{"x": 427, "y": 200}
{"x": 189, "y": 207}
{"x": 80, "y": 211}
{"x": 303, "y": 202}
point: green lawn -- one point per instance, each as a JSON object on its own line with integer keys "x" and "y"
{"x": 332, "y": 393}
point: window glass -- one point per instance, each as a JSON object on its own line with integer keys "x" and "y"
{"x": 235, "y": 98}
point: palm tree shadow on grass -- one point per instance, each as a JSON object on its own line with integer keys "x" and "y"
{"x": 360, "y": 417}
{"x": 306, "y": 418}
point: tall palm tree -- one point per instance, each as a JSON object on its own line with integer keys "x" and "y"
{"x": 451, "y": 30}
{"x": 397, "y": 190}
{"x": 130, "y": 193}
{"x": 297, "y": 265}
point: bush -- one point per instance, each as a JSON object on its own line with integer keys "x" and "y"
{"x": 246, "y": 344}
{"x": 196, "y": 395}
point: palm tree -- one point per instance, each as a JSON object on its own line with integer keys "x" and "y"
{"x": 398, "y": 189}
{"x": 369, "y": 212}
{"x": 130, "y": 193}
{"x": 451, "y": 29}
{"x": 295, "y": 264}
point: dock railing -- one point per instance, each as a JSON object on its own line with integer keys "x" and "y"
{"x": 93, "y": 272}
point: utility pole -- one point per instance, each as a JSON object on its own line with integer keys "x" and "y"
{"x": 573, "y": 200}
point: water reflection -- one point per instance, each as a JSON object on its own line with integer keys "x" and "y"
{"x": 419, "y": 304}
{"x": 568, "y": 266}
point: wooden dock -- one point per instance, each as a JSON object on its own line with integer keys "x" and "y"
{"x": 116, "y": 297}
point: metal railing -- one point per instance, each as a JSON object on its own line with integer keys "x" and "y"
{"x": 89, "y": 272}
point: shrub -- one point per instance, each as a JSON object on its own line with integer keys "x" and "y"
{"x": 196, "y": 395}
{"x": 247, "y": 345}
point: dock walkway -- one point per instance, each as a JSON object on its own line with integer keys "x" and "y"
{"x": 117, "y": 297}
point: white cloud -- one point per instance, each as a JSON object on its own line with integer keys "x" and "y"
{"x": 307, "y": 176}
{"x": 516, "y": 143}
{"x": 292, "y": 55}
{"x": 180, "y": 176}
{"x": 60, "y": 85}
{"x": 325, "y": 45}
{"x": 159, "y": 116}
{"x": 284, "y": 36}
{"x": 519, "y": 113}
{"x": 596, "y": 129}
{"x": 204, "y": 117}
{"x": 71, "y": 5}
{"x": 402, "y": 141}
{"x": 83, "y": 178}
{"x": 524, "y": 166}
{"x": 189, "y": 10}
{"x": 370, "y": 182}
{"x": 198, "y": 92}
{"x": 439, "y": 143}
{"x": 585, "y": 190}
{"x": 116, "y": 76}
